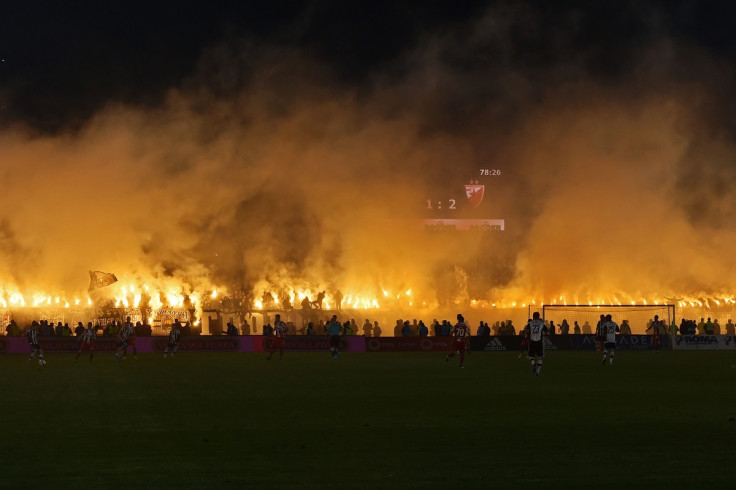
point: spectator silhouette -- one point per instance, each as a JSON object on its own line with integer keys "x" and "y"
{"x": 317, "y": 303}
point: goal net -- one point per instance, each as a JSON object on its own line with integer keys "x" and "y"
{"x": 638, "y": 316}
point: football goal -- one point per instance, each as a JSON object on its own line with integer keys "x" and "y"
{"x": 637, "y": 316}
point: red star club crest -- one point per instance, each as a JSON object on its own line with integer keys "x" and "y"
{"x": 474, "y": 191}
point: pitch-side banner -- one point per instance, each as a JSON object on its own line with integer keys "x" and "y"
{"x": 394, "y": 344}
{"x": 204, "y": 343}
{"x": 705, "y": 342}
{"x": 513, "y": 343}
{"x": 310, "y": 343}
{"x": 623, "y": 342}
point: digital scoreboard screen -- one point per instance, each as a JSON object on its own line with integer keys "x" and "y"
{"x": 469, "y": 204}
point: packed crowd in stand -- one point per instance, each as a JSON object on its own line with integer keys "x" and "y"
{"x": 444, "y": 328}
{"x": 402, "y": 328}
{"x": 111, "y": 329}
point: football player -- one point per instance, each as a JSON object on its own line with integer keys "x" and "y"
{"x": 461, "y": 332}
{"x": 535, "y": 330}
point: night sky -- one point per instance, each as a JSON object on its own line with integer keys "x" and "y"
{"x": 62, "y": 62}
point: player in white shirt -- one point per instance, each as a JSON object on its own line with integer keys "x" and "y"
{"x": 609, "y": 330}
{"x": 279, "y": 338}
{"x": 535, "y": 329}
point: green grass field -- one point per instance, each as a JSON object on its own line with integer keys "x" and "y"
{"x": 369, "y": 421}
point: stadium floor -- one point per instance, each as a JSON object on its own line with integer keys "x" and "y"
{"x": 370, "y": 420}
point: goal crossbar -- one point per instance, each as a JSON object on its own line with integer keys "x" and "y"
{"x": 638, "y": 315}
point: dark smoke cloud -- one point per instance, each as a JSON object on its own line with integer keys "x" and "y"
{"x": 266, "y": 167}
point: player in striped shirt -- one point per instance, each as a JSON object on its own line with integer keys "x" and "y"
{"x": 600, "y": 334}
{"x": 131, "y": 338}
{"x": 279, "y": 337}
{"x": 174, "y": 336}
{"x": 126, "y": 331}
{"x": 610, "y": 329}
{"x": 536, "y": 329}
{"x": 32, "y": 336}
{"x": 87, "y": 342}
{"x": 462, "y": 336}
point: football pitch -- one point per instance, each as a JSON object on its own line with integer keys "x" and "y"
{"x": 369, "y": 420}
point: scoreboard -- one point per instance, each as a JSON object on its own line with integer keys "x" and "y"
{"x": 466, "y": 204}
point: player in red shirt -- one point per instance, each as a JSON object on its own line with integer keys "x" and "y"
{"x": 279, "y": 338}
{"x": 656, "y": 327}
{"x": 462, "y": 336}
{"x": 87, "y": 342}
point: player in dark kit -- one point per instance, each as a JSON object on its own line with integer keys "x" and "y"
{"x": 333, "y": 330}
{"x": 174, "y": 336}
{"x": 536, "y": 329}
{"x": 32, "y": 336}
{"x": 599, "y": 333}
{"x": 87, "y": 342}
{"x": 279, "y": 338}
{"x": 524, "y": 333}
{"x": 656, "y": 328}
{"x": 462, "y": 335}
{"x": 610, "y": 329}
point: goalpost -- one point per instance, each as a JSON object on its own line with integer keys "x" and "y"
{"x": 639, "y": 316}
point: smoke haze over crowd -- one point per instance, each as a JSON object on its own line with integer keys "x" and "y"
{"x": 271, "y": 161}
